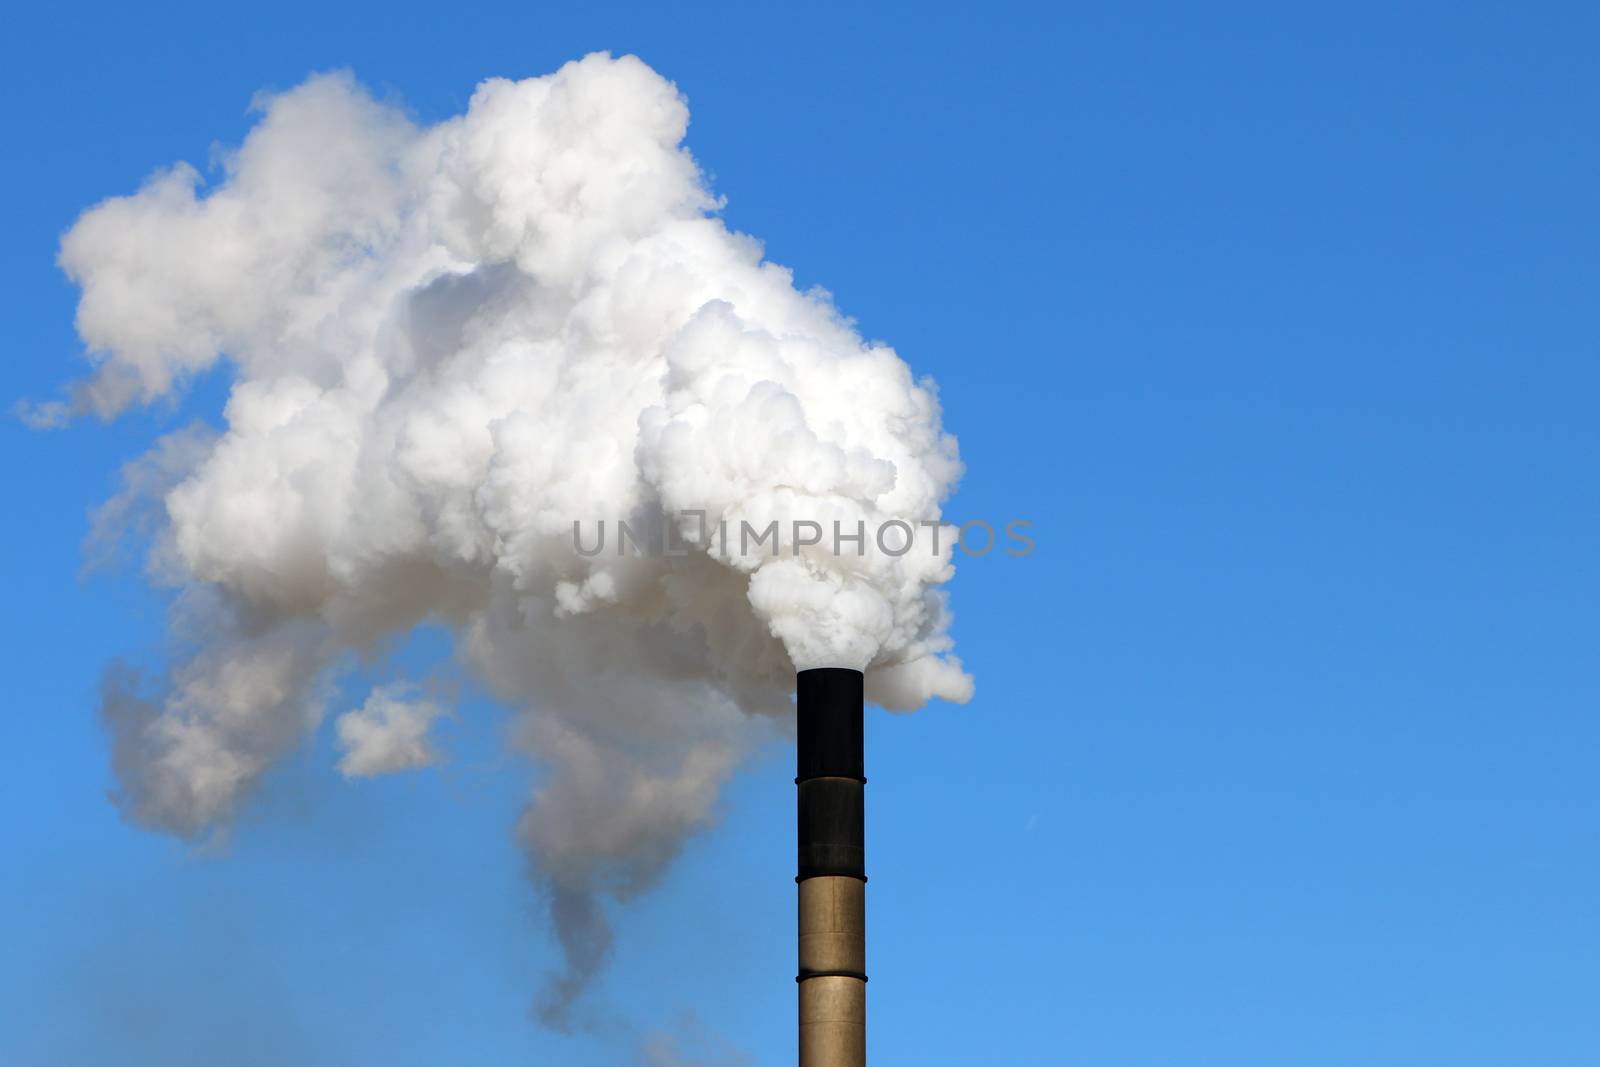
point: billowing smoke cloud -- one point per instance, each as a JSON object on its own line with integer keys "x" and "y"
{"x": 448, "y": 345}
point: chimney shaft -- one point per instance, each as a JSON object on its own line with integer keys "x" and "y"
{"x": 832, "y": 875}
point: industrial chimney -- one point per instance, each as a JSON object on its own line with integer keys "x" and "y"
{"x": 832, "y": 876}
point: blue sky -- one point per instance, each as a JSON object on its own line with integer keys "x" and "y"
{"x": 1278, "y": 325}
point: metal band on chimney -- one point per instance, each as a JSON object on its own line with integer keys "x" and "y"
{"x": 857, "y": 975}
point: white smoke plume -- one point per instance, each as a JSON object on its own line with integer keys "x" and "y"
{"x": 387, "y": 734}
{"x": 448, "y": 344}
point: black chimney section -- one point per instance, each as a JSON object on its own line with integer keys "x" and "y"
{"x": 830, "y": 778}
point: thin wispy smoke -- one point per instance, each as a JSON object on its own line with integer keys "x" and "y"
{"x": 448, "y": 345}
{"x": 688, "y": 1045}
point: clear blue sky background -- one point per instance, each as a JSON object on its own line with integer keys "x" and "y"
{"x": 1281, "y": 327}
